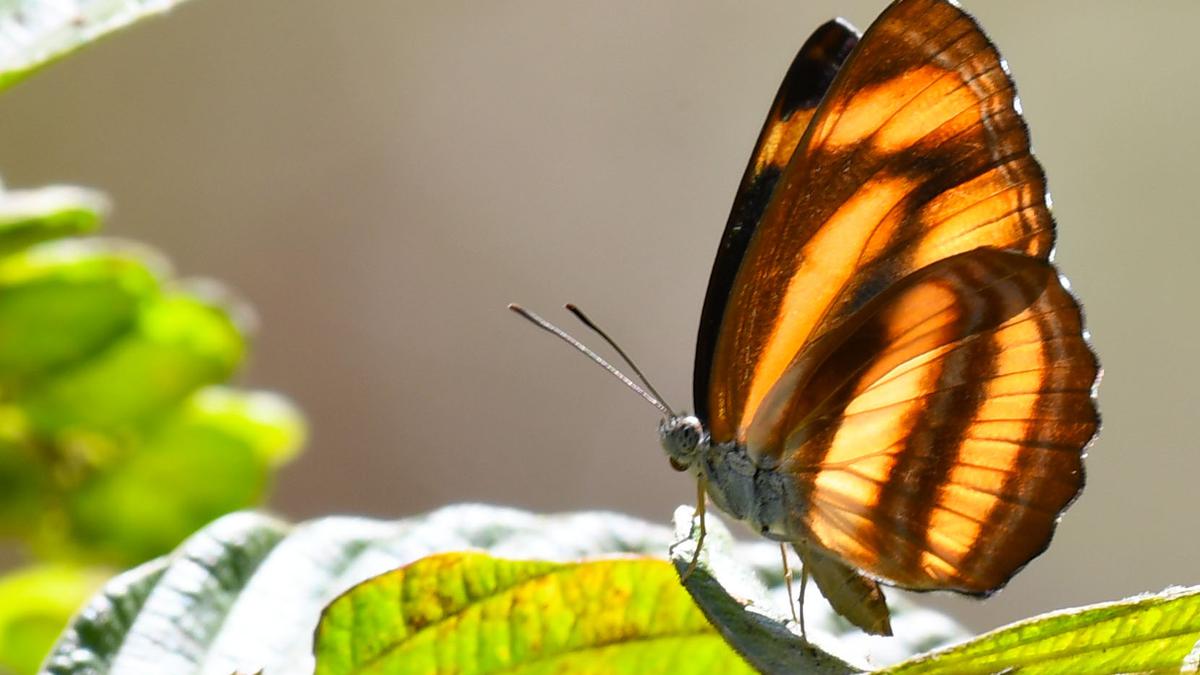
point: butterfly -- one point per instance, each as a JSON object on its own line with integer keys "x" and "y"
{"x": 890, "y": 374}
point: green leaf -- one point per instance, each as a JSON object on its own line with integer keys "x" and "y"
{"x": 38, "y": 32}
{"x": 164, "y": 616}
{"x": 180, "y": 343}
{"x": 147, "y": 502}
{"x": 35, "y": 605}
{"x": 469, "y": 612}
{"x": 30, "y": 216}
{"x": 246, "y": 592}
{"x": 64, "y": 301}
{"x": 1155, "y": 633}
{"x": 97, "y": 634}
{"x": 266, "y": 424}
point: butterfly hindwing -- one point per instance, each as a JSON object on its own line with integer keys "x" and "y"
{"x": 917, "y": 152}
{"x": 934, "y": 439}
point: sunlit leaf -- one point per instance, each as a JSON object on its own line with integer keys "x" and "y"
{"x": 246, "y": 592}
{"x": 37, "y": 32}
{"x": 65, "y": 301}
{"x": 180, "y": 343}
{"x": 1154, "y": 633}
{"x": 35, "y": 605}
{"x": 470, "y": 612}
{"x": 265, "y": 423}
{"x": 212, "y": 456}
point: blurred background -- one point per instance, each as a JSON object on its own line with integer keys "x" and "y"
{"x": 380, "y": 178}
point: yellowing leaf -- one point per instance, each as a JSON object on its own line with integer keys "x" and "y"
{"x": 1153, "y": 633}
{"x": 471, "y": 613}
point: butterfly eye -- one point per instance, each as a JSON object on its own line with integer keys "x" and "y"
{"x": 680, "y": 436}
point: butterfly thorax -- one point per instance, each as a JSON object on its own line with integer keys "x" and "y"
{"x": 751, "y": 493}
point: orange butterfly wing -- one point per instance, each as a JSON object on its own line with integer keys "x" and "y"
{"x": 803, "y": 87}
{"x": 935, "y": 437}
{"x": 917, "y": 152}
{"x": 894, "y": 339}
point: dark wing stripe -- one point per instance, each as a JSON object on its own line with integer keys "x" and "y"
{"x": 965, "y": 390}
{"x": 971, "y": 435}
{"x": 929, "y": 191}
{"x": 974, "y": 131}
{"x": 1041, "y": 482}
{"x": 1036, "y": 443}
{"x": 847, "y": 380}
{"x": 908, "y": 501}
{"x": 951, "y": 72}
{"x": 1007, "y": 496}
{"x": 844, "y": 515}
{"x": 802, "y": 89}
{"x": 1020, "y": 531}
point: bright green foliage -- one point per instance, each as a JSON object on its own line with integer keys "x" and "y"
{"x": 1155, "y": 633}
{"x": 177, "y": 344}
{"x": 260, "y": 586}
{"x": 115, "y": 442}
{"x": 471, "y": 613}
{"x": 247, "y": 591}
{"x": 62, "y": 302}
{"x": 37, "y": 32}
{"x": 35, "y": 603}
{"x": 117, "y": 439}
{"x": 148, "y": 501}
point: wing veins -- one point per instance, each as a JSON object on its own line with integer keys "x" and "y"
{"x": 927, "y": 60}
{"x": 834, "y": 390}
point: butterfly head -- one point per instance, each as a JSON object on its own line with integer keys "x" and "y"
{"x": 681, "y": 436}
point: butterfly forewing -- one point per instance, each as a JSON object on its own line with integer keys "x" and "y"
{"x": 934, "y": 439}
{"x": 916, "y": 153}
{"x": 807, "y": 80}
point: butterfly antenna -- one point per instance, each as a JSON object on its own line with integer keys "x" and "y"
{"x": 566, "y": 337}
{"x": 612, "y": 343}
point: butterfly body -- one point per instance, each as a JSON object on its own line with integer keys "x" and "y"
{"x": 753, "y": 494}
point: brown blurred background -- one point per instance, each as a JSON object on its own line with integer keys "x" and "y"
{"x": 379, "y": 178}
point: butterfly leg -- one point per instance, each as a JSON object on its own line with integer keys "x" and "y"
{"x": 701, "y": 499}
{"x": 787, "y": 579}
{"x": 803, "y": 587}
